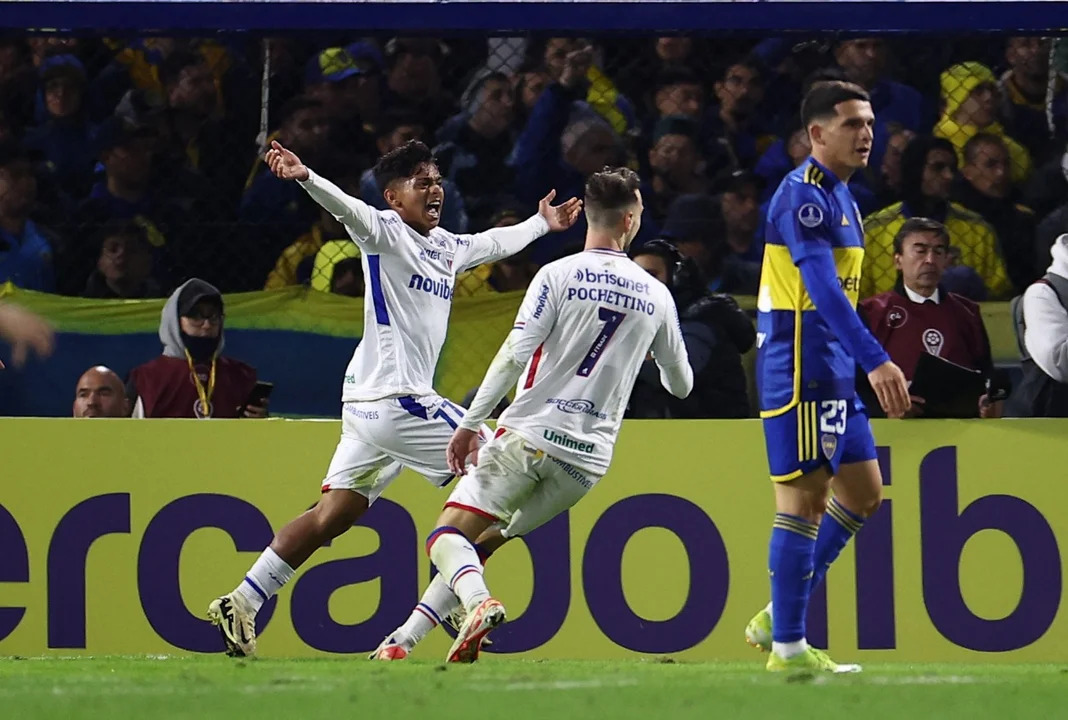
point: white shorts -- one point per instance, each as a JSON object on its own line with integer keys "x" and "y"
{"x": 381, "y": 437}
{"x": 519, "y": 486}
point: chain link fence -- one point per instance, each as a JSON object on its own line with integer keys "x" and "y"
{"x": 130, "y": 164}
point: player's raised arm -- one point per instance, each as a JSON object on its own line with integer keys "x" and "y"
{"x": 351, "y": 212}
{"x": 497, "y": 243}
{"x": 669, "y": 352}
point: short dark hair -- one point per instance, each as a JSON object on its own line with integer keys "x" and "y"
{"x": 402, "y": 162}
{"x": 171, "y": 68}
{"x": 822, "y": 99}
{"x": 920, "y": 225}
{"x": 608, "y": 194}
{"x": 971, "y": 148}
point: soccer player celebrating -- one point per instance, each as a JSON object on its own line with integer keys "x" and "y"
{"x": 392, "y": 418}
{"x": 579, "y": 340}
{"x": 809, "y": 340}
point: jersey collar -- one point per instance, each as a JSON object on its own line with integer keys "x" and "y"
{"x": 607, "y": 251}
{"x": 817, "y": 174}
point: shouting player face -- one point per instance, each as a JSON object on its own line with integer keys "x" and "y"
{"x": 418, "y": 199}
{"x": 846, "y": 138}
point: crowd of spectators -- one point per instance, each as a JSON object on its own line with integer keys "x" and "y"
{"x": 129, "y": 166}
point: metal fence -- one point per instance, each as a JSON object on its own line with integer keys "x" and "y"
{"x": 130, "y": 164}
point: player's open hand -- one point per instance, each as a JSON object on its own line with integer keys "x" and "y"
{"x": 284, "y": 163}
{"x": 891, "y": 388}
{"x": 562, "y": 216}
{"x": 24, "y": 331}
{"x": 464, "y": 443}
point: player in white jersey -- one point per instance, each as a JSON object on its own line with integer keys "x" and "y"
{"x": 585, "y": 327}
{"x": 391, "y": 417}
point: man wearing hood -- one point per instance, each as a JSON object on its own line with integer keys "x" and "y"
{"x": 928, "y": 169}
{"x": 1042, "y": 320}
{"x": 191, "y": 379}
{"x": 970, "y": 99}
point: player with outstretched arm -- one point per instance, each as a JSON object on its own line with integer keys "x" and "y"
{"x": 582, "y": 333}
{"x": 391, "y": 416}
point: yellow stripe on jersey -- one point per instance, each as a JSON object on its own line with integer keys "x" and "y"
{"x": 813, "y": 436}
{"x": 813, "y": 175}
{"x": 807, "y": 437}
{"x": 781, "y": 288}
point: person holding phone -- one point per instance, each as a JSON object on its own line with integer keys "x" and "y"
{"x": 192, "y": 378}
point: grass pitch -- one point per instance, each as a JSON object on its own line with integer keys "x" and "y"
{"x": 114, "y": 688}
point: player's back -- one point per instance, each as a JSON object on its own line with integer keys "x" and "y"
{"x": 573, "y": 392}
{"x": 797, "y": 353}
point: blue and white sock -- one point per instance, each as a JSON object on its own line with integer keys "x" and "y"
{"x": 457, "y": 560}
{"x": 437, "y": 601}
{"x": 265, "y": 578}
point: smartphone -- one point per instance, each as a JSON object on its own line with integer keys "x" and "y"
{"x": 260, "y": 392}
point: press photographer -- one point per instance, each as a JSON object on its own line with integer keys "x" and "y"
{"x": 717, "y": 333}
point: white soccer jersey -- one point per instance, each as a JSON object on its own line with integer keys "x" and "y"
{"x": 586, "y": 325}
{"x": 409, "y": 287}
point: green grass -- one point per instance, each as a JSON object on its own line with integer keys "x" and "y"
{"x": 507, "y": 689}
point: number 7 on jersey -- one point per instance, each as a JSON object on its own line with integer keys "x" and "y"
{"x": 612, "y": 320}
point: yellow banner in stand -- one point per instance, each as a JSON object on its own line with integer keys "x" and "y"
{"x": 117, "y": 534}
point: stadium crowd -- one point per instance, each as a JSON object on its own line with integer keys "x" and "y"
{"x": 128, "y": 167}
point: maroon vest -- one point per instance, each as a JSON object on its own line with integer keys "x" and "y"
{"x": 166, "y": 387}
{"x": 952, "y": 329}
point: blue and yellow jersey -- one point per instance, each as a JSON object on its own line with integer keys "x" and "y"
{"x": 799, "y": 358}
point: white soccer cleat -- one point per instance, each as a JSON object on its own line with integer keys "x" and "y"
{"x": 237, "y": 623}
{"x": 389, "y": 649}
{"x": 488, "y": 615}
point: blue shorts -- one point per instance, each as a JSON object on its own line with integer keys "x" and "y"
{"x": 818, "y": 433}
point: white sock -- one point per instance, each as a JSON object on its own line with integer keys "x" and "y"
{"x": 789, "y": 649}
{"x": 438, "y": 601}
{"x": 265, "y": 578}
{"x": 458, "y": 563}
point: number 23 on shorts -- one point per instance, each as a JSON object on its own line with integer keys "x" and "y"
{"x": 833, "y": 416}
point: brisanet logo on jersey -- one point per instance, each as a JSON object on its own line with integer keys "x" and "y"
{"x": 576, "y": 407}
